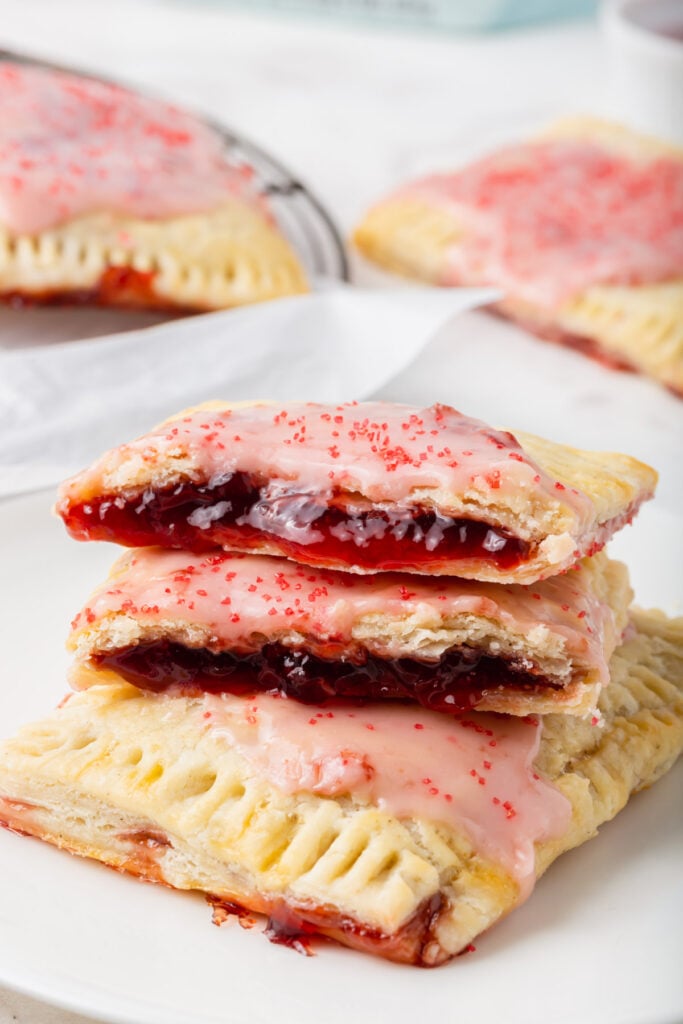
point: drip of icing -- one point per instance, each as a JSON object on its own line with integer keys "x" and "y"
{"x": 380, "y": 450}
{"x": 244, "y": 600}
{"x": 474, "y": 774}
{"x": 71, "y": 146}
{"x": 547, "y": 220}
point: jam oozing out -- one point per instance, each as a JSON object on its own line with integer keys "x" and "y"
{"x": 295, "y": 929}
{"x": 240, "y": 513}
{"x": 117, "y": 286}
{"x": 297, "y": 926}
{"x": 223, "y": 910}
{"x": 455, "y": 683}
{"x": 293, "y": 935}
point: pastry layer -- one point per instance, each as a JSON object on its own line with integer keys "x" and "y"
{"x": 600, "y": 269}
{"x": 111, "y": 197}
{"x": 228, "y": 256}
{"x": 364, "y": 488}
{"x": 233, "y": 623}
{"x": 187, "y": 792}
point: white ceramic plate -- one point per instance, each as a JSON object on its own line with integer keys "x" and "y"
{"x": 599, "y": 942}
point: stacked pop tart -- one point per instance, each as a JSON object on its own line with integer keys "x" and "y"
{"x": 363, "y": 668}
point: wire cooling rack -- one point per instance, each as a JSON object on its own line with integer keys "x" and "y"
{"x": 300, "y": 215}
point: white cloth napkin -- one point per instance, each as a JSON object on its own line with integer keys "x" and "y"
{"x": 62, "y": 404}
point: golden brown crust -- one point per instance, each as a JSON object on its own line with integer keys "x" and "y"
{"x": 409, "y": 236}
{"x": 226, "y": 257}
{"x": 643, "y": 735}
{"x": 613, "y": 481}
{"x": 641, "y": 325}
{"x": 138, "y": 783}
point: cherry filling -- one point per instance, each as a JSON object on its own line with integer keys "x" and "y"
{"x": 117, "y": 286}
{"x": 295, "y": 926}
{"x": 240, "y": 513}
{"x": 455, "y": 683}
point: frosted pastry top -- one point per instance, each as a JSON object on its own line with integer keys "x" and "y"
{"x": 378, "y": 450}
{"x": 244, "y": 601}
{"x": 475, "y": 774}
{"x": 548, "y": 219}
{"x": 71, "y": 146}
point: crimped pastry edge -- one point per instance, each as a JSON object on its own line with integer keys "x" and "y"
{"x": 224, "y": 257}
{"x": 596, "y": 768}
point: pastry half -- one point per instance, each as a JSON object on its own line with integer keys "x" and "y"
{"x": 582, "y": 229}
{"x": 115, "y": 198}
{"x": 376, "y": 830}
{"x": 362, "y": 487}
{"x": 170, "y": 621}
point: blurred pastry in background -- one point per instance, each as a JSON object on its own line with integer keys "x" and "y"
{"x": 582, "y": 228}
{"x": 113, "y": 198}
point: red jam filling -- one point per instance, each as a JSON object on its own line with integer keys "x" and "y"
{"x": 117, "y": 286}
{"x": 296, "y": 927}
{"x": 125, "y": 286}
{"x": 456, "y": 683}
{"x": 239, "y": 513}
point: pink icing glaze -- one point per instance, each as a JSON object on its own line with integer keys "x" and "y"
{"x": 546, "y": 220}
{"x": 242, "y": 599}
{"x": 383, "y": 450}
{"x": 474, "y": 774}
{"x": 71, "y": 146}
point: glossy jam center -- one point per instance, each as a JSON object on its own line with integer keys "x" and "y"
{"x": 239, "y": 513}
{"x": 455, "y": 683}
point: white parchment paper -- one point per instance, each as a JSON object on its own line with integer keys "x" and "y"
{"x": 62, "y": 403}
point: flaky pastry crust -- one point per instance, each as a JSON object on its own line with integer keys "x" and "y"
{"x": 144, "y": 785}
{"x": 561, "y": 632}
{"x": 113, "y": 197}
{"x": 571, "y": 506}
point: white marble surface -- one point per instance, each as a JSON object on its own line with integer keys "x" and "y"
{"x": 351, "y": 111}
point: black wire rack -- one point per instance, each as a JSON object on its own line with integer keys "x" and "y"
{"x": 302, "y": 218}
